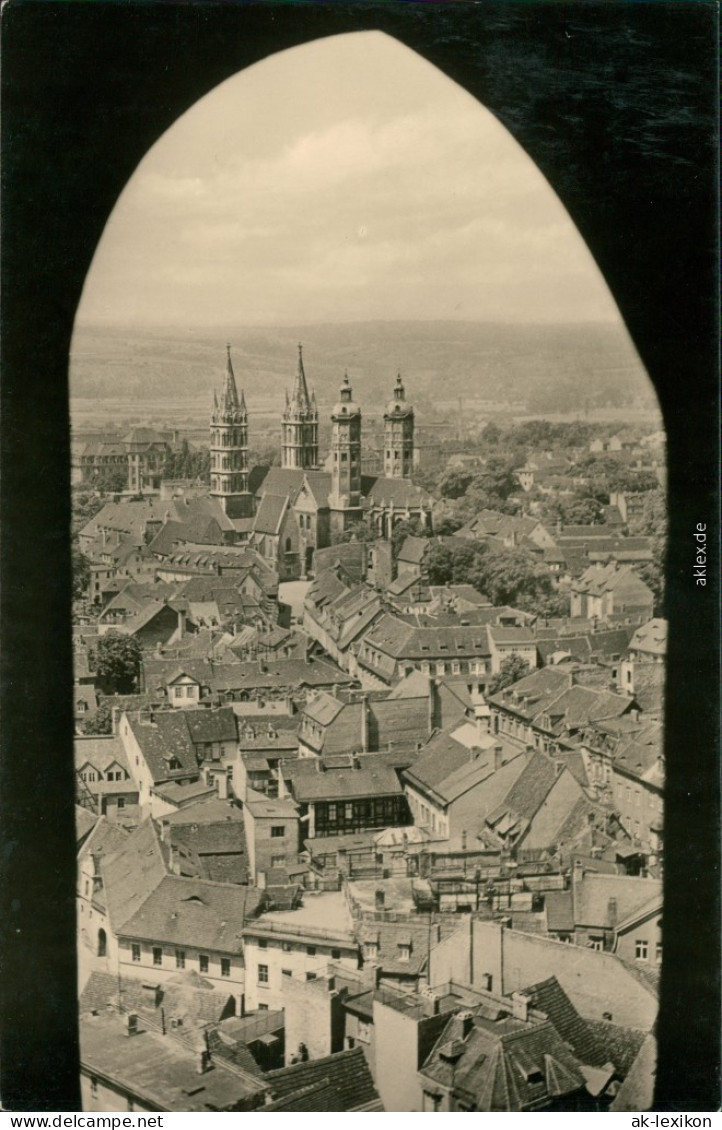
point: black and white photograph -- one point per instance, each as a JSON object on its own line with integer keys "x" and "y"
{"x": 360, "y": 599}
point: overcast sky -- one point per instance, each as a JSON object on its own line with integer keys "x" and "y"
{"x": 344, "y": 180}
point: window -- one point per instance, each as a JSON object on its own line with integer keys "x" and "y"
{"x": 431, "y": 1102}
{"x": 263, "y": 943}
{"x": 371, "y": 951}
{"x": 262, "y": 974}
{"x": 286, "y": 947}
{"x": 263, "y": 1008}
{"x": 180, "y": 959}
{"x": 157, "y": 955}
{"x": 641, "y": 949}
{"x": 310, "y": 976}
{"x": 178, "y": 692}
{"x": 336, "y": 954}
{"x": 121, "y": 802}
{"x": 404, "y": 951}
{"x": 440, "y": 668}
{"x": 311, "y": 951}
{"x": 596, "y": 944}
{"x": 190, "y": 692}
{"x": 225, "y": 967}
{"x": 277, "y": 831}
{"x": 364, "y": 1031}
{"x": 658, "y": 953}
{"x": 278, "y": 861}
{"x": 135, "y": 951}
{"x": 202, "y": 962}
{"x": 287, "y": 973}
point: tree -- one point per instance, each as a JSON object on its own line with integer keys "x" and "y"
{"x": 455, "y": 483}
{"x": 111, "y": 480}
{"x": 513, "y": 668}
{"x": 81, "y": 573}
{"x": 101, "y": 723}
{"x": 116, "y": 661}
{"x": 357, "y": 531}
{"x": 401, "y": 531}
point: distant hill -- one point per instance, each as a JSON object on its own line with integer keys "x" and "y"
{"x": 546, "y": 368}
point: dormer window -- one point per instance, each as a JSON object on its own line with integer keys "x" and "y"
{"x": 403, "y": 951}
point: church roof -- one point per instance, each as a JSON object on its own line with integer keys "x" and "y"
{"x": 300, "y": 402}
{"x": 229, "y": 399}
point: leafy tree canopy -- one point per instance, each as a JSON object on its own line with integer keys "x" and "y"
{"x": 513, "y": 668}
{"x": 116, "y": 661}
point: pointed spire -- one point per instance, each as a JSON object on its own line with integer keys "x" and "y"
{"x": 399, "y": 391}
{"x": 229, "y": 398}
{"x": 299, "y": 396}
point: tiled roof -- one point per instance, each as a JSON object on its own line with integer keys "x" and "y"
{"x": 213, "y": 811}
{"x": 401, "y": 492}
{"x": 401, "y": 639}
{"x": 637, "y": 1091}
{"x": 164, "y": 738}
{"x": 84, "y": 822}
{"x": 352, "y": 555}
{"x": 627, "y": 894}
{"x": 651, "y": 637}
{"x": 195, "y": 912}
{"x": 504, "y": 1064}
{"x": 338, "y": 1083}
{"x": 347, "y": 784}
{"x": 132, "y": 874}
{"x": 211, "y": 725}
{"x": 616, "y": 1044}
{"x": 413, "y": 549}
{"x": 559, "y": 907}
{"x": 549, "y": 997}
{"x": 187, "y": 997}
{"x": 530, "y": 788}
{"x": 100, "y": 752}
{"x": 270, "y": 513}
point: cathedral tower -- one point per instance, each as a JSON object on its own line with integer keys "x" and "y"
{"x": 398, "y": 435}
{"x": 345, "y": 497}
{"x": 229, "y": 448}
{"x": 299, "y": 427}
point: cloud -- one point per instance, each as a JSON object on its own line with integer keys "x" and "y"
{"x": 256, "y": 199}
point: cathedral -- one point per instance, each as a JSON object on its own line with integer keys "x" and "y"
{"x": 288, "y": 512}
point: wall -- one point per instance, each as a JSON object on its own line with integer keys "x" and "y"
{"x": 147, "y": 970}
{"x": 450, "y": 960}
{"x": 312, "y": 1015}
{"x": 106, "y": 1097}
{"x": 649, "y": 930}
{"x": 267, "y": 848}
{"x": 402, "y": 1043}
{"x": 595, "y": 982}
{"x": 296, "y": 959}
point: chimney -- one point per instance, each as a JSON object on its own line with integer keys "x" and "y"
{"x": 466, "y": 1019}
{"x": 222, "y": 783}
{"x": 181, "y": 623}
{"x": 520, "y": 1006}
{"x": 498, "y": 757}
{"x": 612, "y": 913}
{"x": 203, "y": 1061}
{"x": 486, "y": 982}
{"x": 114, "y": 717}
{"x": 132, "y": 1025}
{"x": 379, "y": 898}
{"x": 364, "y": 725}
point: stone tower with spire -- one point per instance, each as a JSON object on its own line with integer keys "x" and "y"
{"x": 398, "y": 435}
{"x": 229, "y": 448}
{"x": 345, "y": 498}
{"x": 299, "y": 426}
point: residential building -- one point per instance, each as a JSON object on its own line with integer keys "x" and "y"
{"x": 364, "y": 794}
{"x": 609, "y": 592}
{"x": 127, "y": 1063}
{"x": 297, "y": 944}
{"x": 272, "y": 834}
